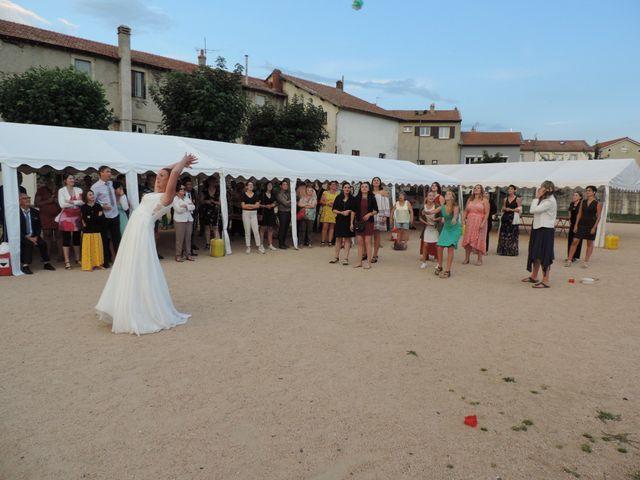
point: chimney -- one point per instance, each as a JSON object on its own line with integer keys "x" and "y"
{"x": 202, "y": 59}
{"x": 246, "y": 69}
{"x": 124, "y": 52}
{"x": 276, "y": 80}
{"x": 340, "y": 85}
{"x": 432, "y": 107}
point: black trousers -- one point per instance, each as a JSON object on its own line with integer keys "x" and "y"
{"x": 110, "y": 230}
{"x": 284, "y": 219}
{"x": 26, "y": 250}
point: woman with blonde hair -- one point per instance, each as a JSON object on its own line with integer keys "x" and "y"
{"x": 430, "y": 234}
{"x": 544, "y": 209}
{"x": 402, "y": 214}
{"x": 327, "y": 217}
{"x": 450, "y": 234}
{"x": 474, "y": 218}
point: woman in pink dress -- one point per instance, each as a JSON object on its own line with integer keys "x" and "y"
{"x": 475, "y": 217}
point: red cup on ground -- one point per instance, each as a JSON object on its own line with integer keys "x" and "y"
{"x": 572, "y": 280}
{"x": 471, "y": 421}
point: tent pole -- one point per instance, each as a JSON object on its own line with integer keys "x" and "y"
{"x": 294, "y": 210}
{"x": 393, "y": 193}
{"x": 602, "y": 227}
{"x": 460, "y": 198}
{"x": 224, "y": 210}
{"x": 132, "y": 189}
{"x": 12, "y": 215}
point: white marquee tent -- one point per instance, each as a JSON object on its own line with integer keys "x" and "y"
{"x": 622, "y": 174}
{"x": 39, "y": 146}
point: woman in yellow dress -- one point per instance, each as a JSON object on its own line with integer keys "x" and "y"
{"x": 327, "y": 217}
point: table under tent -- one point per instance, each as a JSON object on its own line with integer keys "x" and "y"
{"x": 619, "y": 174}
{"x": 37, "y": 147}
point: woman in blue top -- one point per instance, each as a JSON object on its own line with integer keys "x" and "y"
{"x": 450, "y": 234}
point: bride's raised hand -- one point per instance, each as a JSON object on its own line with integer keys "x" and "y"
{"x": 188, "y": 160}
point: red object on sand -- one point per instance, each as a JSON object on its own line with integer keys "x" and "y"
{"x": 572, "y": 280}
{"x": 471, "y": 421}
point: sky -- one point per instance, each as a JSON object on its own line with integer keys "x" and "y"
{"x": 561, "y": 69}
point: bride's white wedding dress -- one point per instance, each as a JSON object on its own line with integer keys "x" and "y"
{"x": 136, "y": 297}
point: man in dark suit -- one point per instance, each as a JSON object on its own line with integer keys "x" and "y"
{"x": 30, "y": 230}
{"x": 21, "y": 189}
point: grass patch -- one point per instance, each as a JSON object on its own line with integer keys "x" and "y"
{"x": 535, "y": 392}
{"x": 620, "y": 438}
{"x": 484, "y": 429}
{"x": 571, "y": 472}
{"x": 559, "y": 446}
{"x": 519, "y": 428}
{"x": 634, "y": 475}
{"x": 509, "y": 379}
{"x": 527, "y": 422}
{"x": 622, "y": 450}
{"x": 483, "y": 369}
{"x": 608, "y": 416}
{"x": 474, "y": 403}
{"x": 412, "y": 352}
{"x": 585, "y": 447}
{"x": 589, "y": 437}
{"x": 449, "y": 465}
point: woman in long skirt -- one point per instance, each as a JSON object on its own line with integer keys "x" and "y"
{"x": 509, "y": 236}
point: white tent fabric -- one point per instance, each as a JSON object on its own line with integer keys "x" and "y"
{"x": 37, "y": 146}
{"x": 621, "y": 174}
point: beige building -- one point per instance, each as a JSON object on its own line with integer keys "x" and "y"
{"x": 125, "y": 74}
{"x": 624, "y": 147}
{"x": 429, "y": 137}
{"x": 554, "y": 150}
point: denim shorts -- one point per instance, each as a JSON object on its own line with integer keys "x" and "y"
{"x": 403, "y": 226}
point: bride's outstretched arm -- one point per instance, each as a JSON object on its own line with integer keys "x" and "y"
{"x": 176, "y": 169}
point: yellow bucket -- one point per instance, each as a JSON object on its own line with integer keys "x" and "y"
{"x": 217, "y": 248}
{"x": 611, "y": 242}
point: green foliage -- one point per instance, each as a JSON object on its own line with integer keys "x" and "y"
{"x": 495, "y": 158}
{"x": 54, "y": 96}
{"x": 207, "y": 103}
{"x": 297, "y": 126}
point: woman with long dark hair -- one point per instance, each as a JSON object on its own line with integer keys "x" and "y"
{"x": 209, "y": 203}
{"x": 586, "y": 225}
{"x": 267, "y": 219}
{"x": 250, "y": 204}
{"x": 509, "y": 235}
{"x": 344, "y": 207}
{"x": 327, "y": 217}
{"x": 574, "y": 208}
{"x": 382, "y": 217}
{"x": 367, "y": 208}
{"x": 70, "y": 221}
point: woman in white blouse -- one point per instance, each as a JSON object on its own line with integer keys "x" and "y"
{"x": 70, "y": 219}
{"x": 123, "y": 205}
{"x": 183, "y": 222}
{"x": 544, "y": 209}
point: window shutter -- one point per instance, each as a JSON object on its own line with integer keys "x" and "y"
{"x": 452, "y": 132}
{"x": 435, "y": 131}
{"x": 417, "y": 131}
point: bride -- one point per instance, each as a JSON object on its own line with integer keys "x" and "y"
{"x": 136, "y": 298}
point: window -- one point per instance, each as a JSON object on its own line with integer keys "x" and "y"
{"x": 83, "y": 66}
{"x": 139, "y": 128}
{"x": 471, "y": 159}
{"x": 260, "y": 100}
{"x": 443, "y": 132}
{"x": 138, "y": 87}
{"x": 382, "y": 155}
{"x": 434, "y": 162}
{"x": 422, "y": 131}
{"x": 574, "y": 156}
{"x": 420, "y": 162}
{"x": 325, "y": 117}
{"x": 407, "y": 129}
{"x": 624, "y": 149}
{"x": 355, "y": 153}
{"x": 522, "y": 157}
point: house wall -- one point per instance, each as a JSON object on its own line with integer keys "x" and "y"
{"x": 623, "y": 149}
{"x": 369, "y": 134}
{"x": 445, "y": 151}
{"x": 511, "y": 152}
{"x": 528, "y": 156}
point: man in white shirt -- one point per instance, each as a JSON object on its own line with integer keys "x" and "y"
{"x": 106, "y": 197}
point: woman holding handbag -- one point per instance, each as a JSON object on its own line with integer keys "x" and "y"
{"x": 70, "y": 219}
{"x": 345, "y": 208}
{"x": 367, "y": 209}
{"x": 509, "y": 236}
{"x": 307, "y": 215}
{"x": 384, "y": 212}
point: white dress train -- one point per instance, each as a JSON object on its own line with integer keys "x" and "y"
{"x": 136, "y": 298}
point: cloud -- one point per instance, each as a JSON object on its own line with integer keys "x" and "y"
{"x": 406, "y": 86}
{"x": 137, "y": 14}
{"x": 15, "y": 13}
{"x": 68, "y": 24}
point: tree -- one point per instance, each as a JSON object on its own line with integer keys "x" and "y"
{"x": 296, "y": 125}
{"x": 495, "y": 158}
{"x": 54, "y": 96}
{"x": 597, "y": 151}
{"x": 207, "y": 103}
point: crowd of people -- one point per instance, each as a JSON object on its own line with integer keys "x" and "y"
{"x": 88, "y": 223}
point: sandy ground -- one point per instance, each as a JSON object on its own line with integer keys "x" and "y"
{"x": 292, "y": 368}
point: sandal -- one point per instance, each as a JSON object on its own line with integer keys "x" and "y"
{"x": 374, "y": 259}
{"x": 67, "y": 266}
{"x": 357, "y": 266}
{"x": 191, "y": 259}
{"x": 529, "y": 280}
{"x": 540, "y": 285}
{"x": 179, "y": 259}
{"x": 367, "y": 267}
{"x": 345, "y": 262}
{"x": 568, "y": 263}
{"x": 465, "y": 262}
{"x": 445, "y": 274}
{"x": 438, "y": 270}
{"x": 322, "y": 244}
{"x": 335, "y": 260}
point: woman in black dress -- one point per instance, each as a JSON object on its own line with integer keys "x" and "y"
{"x": 209, "y": 203}
{"x": 586, "y": 225}
{"x": 367, "y": 209}
{"x": 344, "y": 206}
{"x": 267, "y": 215}
{"x": 509, "y": 236}
{"x": 574, "y": 207}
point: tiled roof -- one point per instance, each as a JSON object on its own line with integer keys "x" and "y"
{"x": 490, "y": 138}
{"x": 556, "y": 146}
{"x": 616, "y": 140}
{"x": 40, "y": 36}
{"x": 427, "y": 115}
{"x": 337, "y": 97}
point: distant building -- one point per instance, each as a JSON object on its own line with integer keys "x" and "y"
{"x": 429, "y": 137}
{"x": 555, "y": 150}
{"x": 624, "y": 147}
{"x": 473, "y": 145}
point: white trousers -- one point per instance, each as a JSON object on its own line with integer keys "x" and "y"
{"x": 250, "y": 222}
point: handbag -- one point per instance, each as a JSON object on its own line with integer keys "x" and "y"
{"x": 516, "y": 219}
{"x": 360, "y": 226}
{"x": 300, "y": 214}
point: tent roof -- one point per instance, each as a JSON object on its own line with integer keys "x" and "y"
{"x": 61, "y": 147}
{"x": 622, "y": 174}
